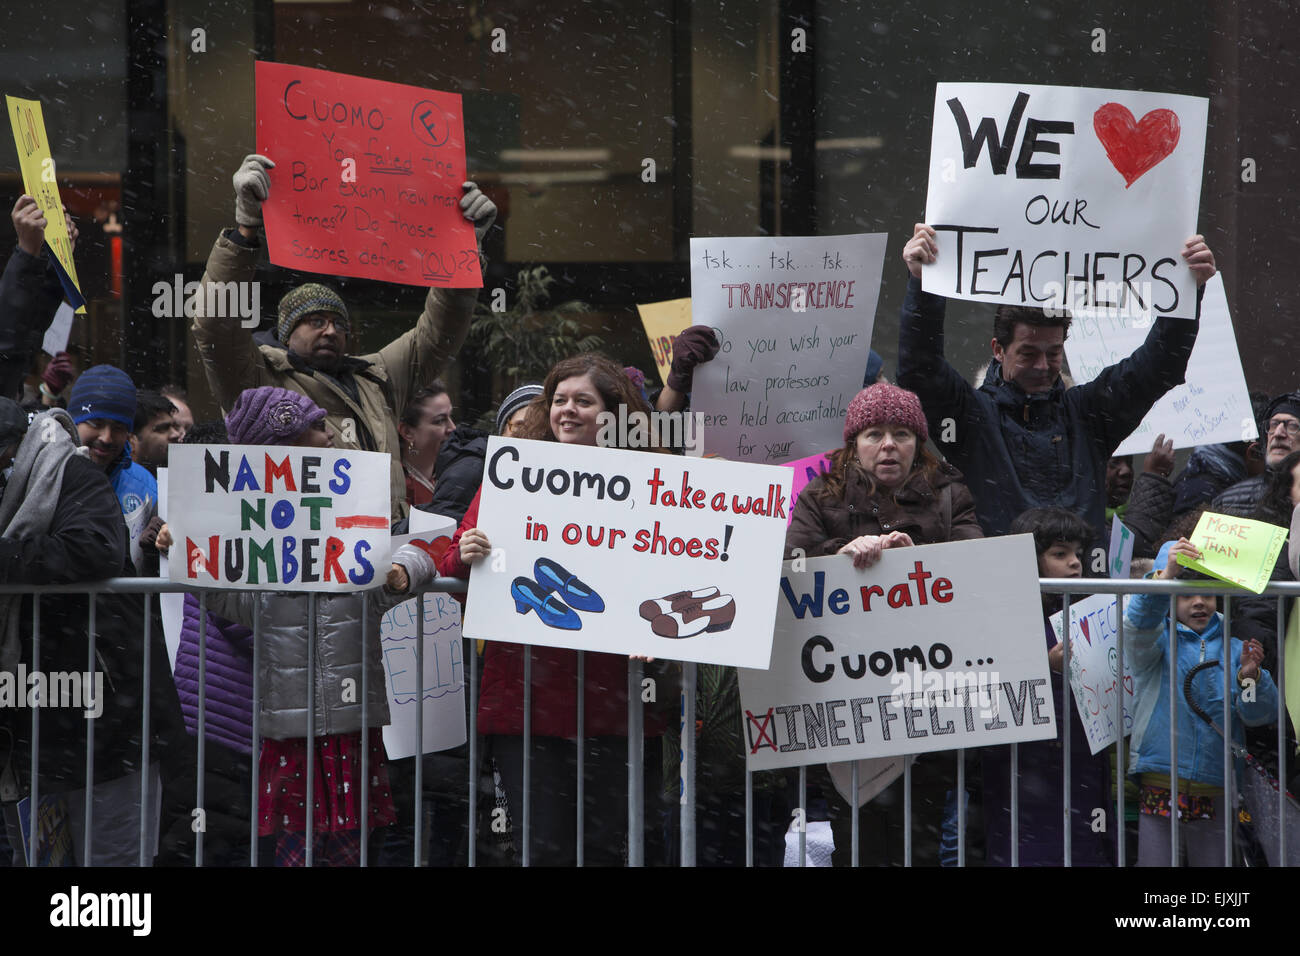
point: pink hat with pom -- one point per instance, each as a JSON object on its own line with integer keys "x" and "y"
{"x": 885, "y": 404}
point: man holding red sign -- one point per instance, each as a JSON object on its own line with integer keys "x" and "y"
{"x": 363, "y": 395}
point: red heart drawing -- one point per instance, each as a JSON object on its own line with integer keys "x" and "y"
{"x": 435, "y": 548}
{"x": 1134, "y": 148}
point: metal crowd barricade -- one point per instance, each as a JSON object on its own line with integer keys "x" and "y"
{"x": 1076, "y": 587}
{"x": 1125, "y": 587}
{"x": 636, "y": 804}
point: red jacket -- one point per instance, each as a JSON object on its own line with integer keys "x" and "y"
{"x": 555, "y": 679}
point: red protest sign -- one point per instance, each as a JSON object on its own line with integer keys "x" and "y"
{"x": 367, "y": 178}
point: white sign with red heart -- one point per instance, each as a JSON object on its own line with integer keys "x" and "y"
{"x": 1060, "y": 197}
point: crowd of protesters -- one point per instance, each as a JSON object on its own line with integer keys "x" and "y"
{"x": 1030, "y": 454}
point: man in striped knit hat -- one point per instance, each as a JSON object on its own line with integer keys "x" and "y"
{"x": 362, "y": 395}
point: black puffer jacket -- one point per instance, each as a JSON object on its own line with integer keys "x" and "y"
{"x": 1241, "y": 499}
{"x": 458, "y": 472}
{"x": 1210, "y": 470}
{"x": 1150, "y": 509}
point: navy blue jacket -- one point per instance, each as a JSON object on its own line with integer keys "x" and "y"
{"x": 1021, "y": 451}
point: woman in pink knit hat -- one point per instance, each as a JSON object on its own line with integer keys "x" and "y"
{"x": 886, "y": 490}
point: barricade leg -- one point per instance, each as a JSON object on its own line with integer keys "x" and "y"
{"x": 1120, "y": 827}
{"x": 36, "y": 735}
{"x": 472, "y": 850}
{"x": 582, "y": 757}
{"x": 1015, "y": 802}
{"x": 528, "y": 753}
{"x": 1066, "y": 716}
{"x": 1228, "y": 811}
{"x": 311, "y": 722}
{"x": 418, "y": 802}
{"x": 201, "y": 730}
{"x": 1174, "y": 691}
{"x": 803, "y": 815}
{"x": 1280, "y": 681}
{"x": 364, "y": 859}
{"x": 688, "y": 764}
{"x": 853, "y": 811}
{"x": 88, "y": 859}
{"x": 254, "y": 820}
{"x": 146, "y": 670}
{"x": 635, "y": 767}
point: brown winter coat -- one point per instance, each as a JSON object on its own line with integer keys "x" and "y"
{"x": 821, "y": 525}
{"x": 384, "y": 379}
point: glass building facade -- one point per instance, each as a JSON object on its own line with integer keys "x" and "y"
{"x": 799, "y": 117}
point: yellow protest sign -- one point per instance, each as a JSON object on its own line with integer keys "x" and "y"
{"x": 663, "y": 322}
{"x": 1236, "y": 550}
{"x": 39, "y": 182}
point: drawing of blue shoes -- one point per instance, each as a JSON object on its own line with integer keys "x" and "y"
{"x": 551, "y": 576}
{"x": 550, "y": 609}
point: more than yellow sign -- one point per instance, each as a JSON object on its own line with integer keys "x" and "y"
{"x": 40, "y": 183}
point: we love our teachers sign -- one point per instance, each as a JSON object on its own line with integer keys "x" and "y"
{"x": 1058, "y": 197}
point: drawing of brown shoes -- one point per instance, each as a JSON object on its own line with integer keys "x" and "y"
{"x": 676, "y": 601}
{"x": 716, "y": 614}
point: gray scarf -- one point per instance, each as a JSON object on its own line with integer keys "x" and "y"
{"x": 28, "y": 504}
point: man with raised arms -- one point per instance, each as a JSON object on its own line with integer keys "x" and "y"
{"x": 309, "y": 354}
{"x": 1022, "y": 439}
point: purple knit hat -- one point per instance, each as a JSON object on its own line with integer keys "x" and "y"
{"x": 885, "y": 404}
{"x": 270, "y": 416}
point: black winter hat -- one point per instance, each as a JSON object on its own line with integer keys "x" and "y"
{"x": 13, "y": 423}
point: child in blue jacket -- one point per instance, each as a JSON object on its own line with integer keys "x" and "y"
{"x": 1201, "y": 810}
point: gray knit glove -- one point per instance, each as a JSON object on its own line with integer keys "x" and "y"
{"x": 478, "y": 209}
{"x": 252, "y": 186}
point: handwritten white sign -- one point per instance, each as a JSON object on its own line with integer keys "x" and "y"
{"x": 1211, "y": 406}
{"x": 285, "y": 517}
{"x": 443, "y": 687}
{"x": 1049, "y": 196}
{"x": 1094, "y": 670}
{"x": 932, "y": 648}
{"x": 794, "y": 319}
{"x": 629, "y": 552}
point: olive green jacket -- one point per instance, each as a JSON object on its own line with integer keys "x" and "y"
{"x": 384, "y": 380}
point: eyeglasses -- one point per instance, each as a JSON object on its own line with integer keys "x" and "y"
{"x": 1290, "y": 424}
{"x": 318, "y": 322}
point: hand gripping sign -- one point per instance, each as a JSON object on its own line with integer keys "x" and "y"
{"x": 39, "y": 181}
